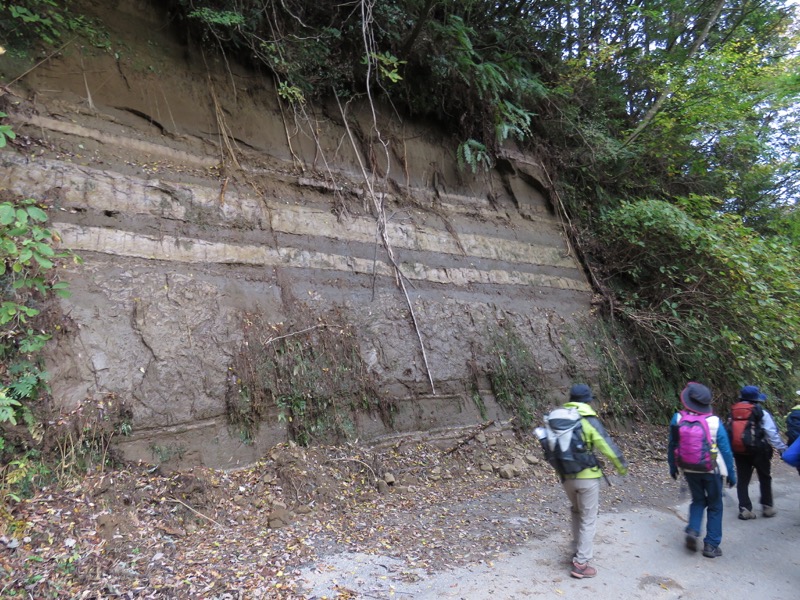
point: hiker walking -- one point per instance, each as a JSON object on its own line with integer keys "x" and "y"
{"x": 753, "y": 436}
{"x": 582, "y": 484}
{"x": 697, "y": 440}
{"x": 793, "y": 428}
{"x": 792, "y": 454}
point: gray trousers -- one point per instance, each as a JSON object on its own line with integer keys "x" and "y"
{"x": 584, "y": 496}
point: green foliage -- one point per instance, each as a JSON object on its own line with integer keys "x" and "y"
{"x": 74, "y": 445}
{"x": 222, "y": 18}
{"x": 474, "y": 155}
{"x": 11, "y": 476}
{"x": 8, "y": 408}
{"x": 291, "y": 93}
{"x": 729, "y": 126}
{"x": 628, "y": 389}
{"x": 162, "y": 454}
{"x": 308, "y": 375}
{"x": 6, "y": 132}
{"x": 479, "y": 403}
{"x": 20, "y": 477}
{"x": 512, "y": 122}
{"x": 387, "y": 64}
{"x": 26, "y": 380}
{"x": 26, "y": 24}
{"x": 711, "y": 301}
{"x": 29, "y": 20}
{"x": 27, "y": 264}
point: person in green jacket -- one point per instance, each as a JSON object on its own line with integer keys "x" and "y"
{"x": 583, "y": 488}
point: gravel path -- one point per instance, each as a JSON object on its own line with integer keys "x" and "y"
{"x": 639, "y": 554}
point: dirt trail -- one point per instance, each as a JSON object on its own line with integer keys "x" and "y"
{"x": 639, "y": 554}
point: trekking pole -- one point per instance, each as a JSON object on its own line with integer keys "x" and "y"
{"x": 599, "y": 466}
{"x": 604, "y": 477}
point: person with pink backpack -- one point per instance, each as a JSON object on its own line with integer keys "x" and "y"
{"x": 699, "y": 447}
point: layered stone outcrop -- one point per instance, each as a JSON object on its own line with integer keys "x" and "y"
{"x": 190, "y": 221}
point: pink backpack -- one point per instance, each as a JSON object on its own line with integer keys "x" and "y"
{"x": 695, "y": 450}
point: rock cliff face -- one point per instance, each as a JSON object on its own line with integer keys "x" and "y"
{"x": 214, "y": 223}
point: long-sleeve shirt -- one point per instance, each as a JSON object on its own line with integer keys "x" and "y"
{"x": 771, "y": 432}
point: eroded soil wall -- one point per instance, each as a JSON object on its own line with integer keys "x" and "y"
{"x": 199, "y": 204}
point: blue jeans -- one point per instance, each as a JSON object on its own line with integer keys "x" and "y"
{"x": 706, "y": 490}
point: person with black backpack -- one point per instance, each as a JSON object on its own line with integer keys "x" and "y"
{"x": 753, "y": 436}
{"x": 570, "y": 438}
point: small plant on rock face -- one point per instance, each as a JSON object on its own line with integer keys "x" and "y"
{"x": 6, "y": 132}
{"x": 513, "y": 375}
{"x": 474, "y": 155}
{"x": 162, "y": 454}
{"x": 308, "y": 375}
{"x": 221, "y": 18}
{"x": 81, "y": 439}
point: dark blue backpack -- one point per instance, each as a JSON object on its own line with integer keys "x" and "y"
{"x": 793, "y": 425}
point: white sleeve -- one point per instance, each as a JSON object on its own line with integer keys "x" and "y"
{"x": 771, "y": 432}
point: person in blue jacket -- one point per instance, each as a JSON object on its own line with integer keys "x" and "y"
{"x": 792, "y": 455}
{"x": 706, "y": 488}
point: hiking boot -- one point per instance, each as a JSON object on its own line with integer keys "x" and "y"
{"x": 579, "y": 571}
{"x": 745, "y": 514}
{"x": 691, "y": 541}
{"x": 769, "y": 511}
{"x": 711, "y": 551}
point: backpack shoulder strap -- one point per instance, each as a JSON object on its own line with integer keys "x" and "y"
{"x": 713, "y": 422}
{"x": 710, "y": 423}
{"x": 758, "y": 412}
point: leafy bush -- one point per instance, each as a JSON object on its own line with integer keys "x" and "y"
{"x": 26, "y": 24}
{"x": 27, "y": 267}
{"x": 712, "y": 301}
{"x": 24, "y": 21}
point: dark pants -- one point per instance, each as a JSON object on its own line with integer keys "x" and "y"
{"x": 706, "y": 490}
{"x": 745, "y": 463}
